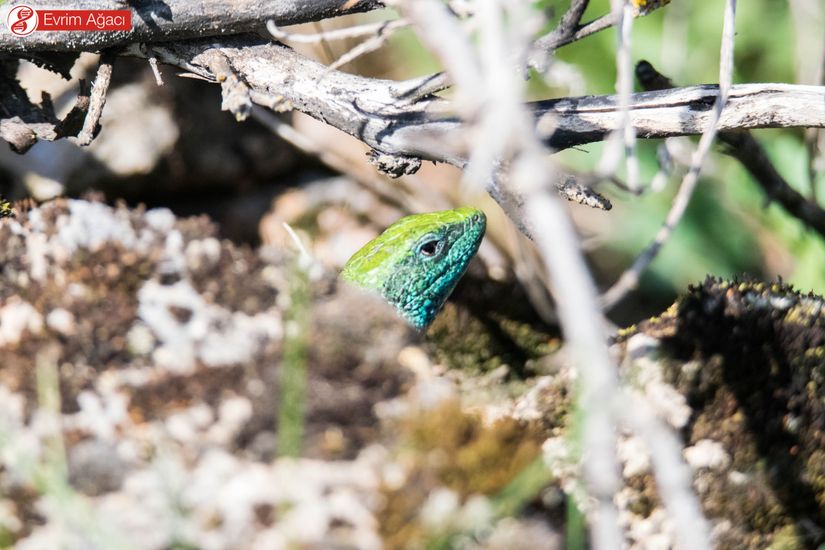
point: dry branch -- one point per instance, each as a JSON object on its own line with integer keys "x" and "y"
{"x": 23, "y": 123}
{"x": 382, "y": 114}
{"x": 91, "y": 126}
{"x": 373, "y": 111}
{"x": 744, "y": 148}
{"x": 629, "y": 280}
{"x": 164, "y": 20}
{"x": 741, "y": 145}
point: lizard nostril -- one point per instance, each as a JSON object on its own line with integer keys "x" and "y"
{"x": 475, "y": 218}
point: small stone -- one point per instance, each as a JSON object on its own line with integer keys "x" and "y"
{"x": 414, "y": 358}
{"x": 634, "y": 454}
{"x": 140, "y": 340}
{"x": 95, "y": 467}
{"x": 62, "y": 321}
{"x": 16, "y": 318}
{"x": 439, "y": 508}
{"x": 707, "y": 453}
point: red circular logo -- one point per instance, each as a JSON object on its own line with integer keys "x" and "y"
{"x": 21, "y": 20}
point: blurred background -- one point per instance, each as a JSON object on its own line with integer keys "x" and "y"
{"x": 171, "y": 146}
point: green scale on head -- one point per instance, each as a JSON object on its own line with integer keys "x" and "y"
{"x": 416, "y": 263}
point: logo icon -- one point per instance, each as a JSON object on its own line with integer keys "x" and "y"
{"x": 21, "y": 20}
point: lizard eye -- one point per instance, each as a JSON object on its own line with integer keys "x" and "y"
{"x": 430, "y": 247}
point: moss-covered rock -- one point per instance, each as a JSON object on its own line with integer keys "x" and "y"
{"x": 745, "y": 356}
{"x": 487, "y": 325}
{"x": 453, "y": 455}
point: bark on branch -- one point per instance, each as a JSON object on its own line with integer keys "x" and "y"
{"x": 23, "y": 123}
{"x": 378, "y": 113}
{"x": 164, "y": 20}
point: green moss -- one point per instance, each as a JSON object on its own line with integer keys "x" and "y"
{"x": 478, "y": 458}
{"x": 625, "y": 333}
{"x": 448, "y": 447}
{"x": 761, "y": 349}
{"x": 486, "y": 325}
{"x": 787, "y": 539}
{"x": 6, "y": 209}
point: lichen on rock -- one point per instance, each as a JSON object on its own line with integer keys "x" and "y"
{"x": 746, "y": 358}
{"x": 167, "y": 346}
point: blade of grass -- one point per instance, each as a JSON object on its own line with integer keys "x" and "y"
{"x": 292, "y": 404}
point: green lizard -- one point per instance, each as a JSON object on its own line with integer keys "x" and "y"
{"x": 416, "y": 263}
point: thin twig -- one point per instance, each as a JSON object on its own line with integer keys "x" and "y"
{"x": 814, "y": 136}
{"x": 747, "y": 150}
{"x": 569, "y": 23}
{"x": 629, "y": 280}
{"x": 445, "y": 37}
{"x": 673, "y": 475}
{"x": 306, "y": 258}
{"x": 149, "y": 53}
{"x": 505, "y": 146}
{"x": 744, "y": 148}
{"x": 91, "y": 125}
{"x": 567, "y": 27}
{"x": 596, "y": 374}
{"x": 326, "y": 47}
{"x": 624, "y": 87}
{"x": 568, "y": 35}
{"x": 382, "y": 36}
{"x": 153, "y": 64}
{"x": 327, "y": 156}
{"x": 597, "y": 25}
{"x": 424, "y": 86}
{"x": 357, "y": 31}
{"x": 623, "y": 139}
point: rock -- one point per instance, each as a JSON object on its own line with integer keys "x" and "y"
{"x": 747, "y": 360}
{"x": 168, "y": 347}
{"x": 146, "y": 363}
{"x": 95, "y": 467}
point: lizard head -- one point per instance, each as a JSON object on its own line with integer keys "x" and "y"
{"x": 416, "y": 263}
